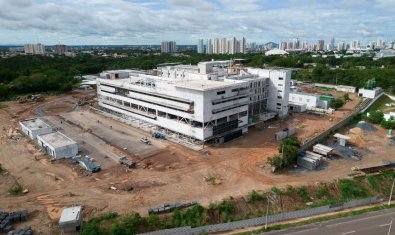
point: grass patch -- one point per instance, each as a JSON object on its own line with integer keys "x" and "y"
{"x": 372, "y": 181}
{"x": 3, "y": 106}
{"x": 351, "y": 189}
{"x": 318, "y": 219}
{"x": 15, "y": 190}
{"x": 1, "y": 169}
{"x": 380, "y": 103}
{"x": 302, "y": 192}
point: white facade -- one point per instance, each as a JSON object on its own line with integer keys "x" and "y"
{"x": 310, "y": 100}
{"x": 366, "y": 93}
{"x": 210, "y": 100}
{"x": 34, "y": 49}
{"x": 34, "y": 127}
{"x": 58, "y": 145}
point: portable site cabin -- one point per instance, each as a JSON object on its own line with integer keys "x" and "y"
{"x": 58, "y": 145}
{"x": 342, "y": 139}
{"x": 70, "y": 221}
{"x": 323, "y": 149}
{"x": 34, "y": 127}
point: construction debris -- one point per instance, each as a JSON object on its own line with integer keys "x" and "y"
{"x": 9, "y": 218}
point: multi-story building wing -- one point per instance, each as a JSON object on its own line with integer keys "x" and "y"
{"x": 208, "y": 102}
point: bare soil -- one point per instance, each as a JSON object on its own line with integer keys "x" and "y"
{"x": 167, "y": 172}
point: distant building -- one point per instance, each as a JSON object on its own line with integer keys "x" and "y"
{"x": 276, "y": 52}
{"x": 321, "y": 45}
{"x": 200, "y": 46}
{"x": 34, "y": 49}
{"x": 222, "y": 46}
{"x": 341, "y": 46}
{"x": 59, "y": 49}
{"x": 168, "y": 47}
{"x": 355, "y": 45}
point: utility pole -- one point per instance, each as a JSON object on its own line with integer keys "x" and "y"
{"x": 282, "y": 155}
{"x": 392, "y": 189}
{"x": 267, "y": 210}
{"x": 389, "y": 230}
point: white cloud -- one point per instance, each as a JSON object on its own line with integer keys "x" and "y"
{"x": 149, "y": 22}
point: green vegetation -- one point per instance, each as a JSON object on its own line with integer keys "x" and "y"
{"x": 377, "y": 117}
{"x": 337, "y": 103}
{"x": 30, "y": 74}
{"x": 1, "y": 169}
{"x": 3, "y": 106}
{"x": 352, "y": 189}
{"x": 304, "y": 194}
{"x": 253, "y": 197}
{"x": 380, "y": 103}
{"x": 290, "y": 146}
{"x": 253, "y": 205}
{"x": 15, "y": 190}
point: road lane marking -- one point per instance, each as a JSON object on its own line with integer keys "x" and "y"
{"x": 384, "y": 225}
{"x": 352, "y": 221}
{"x": 353, "y": 231}
{"x": 302, "y": 231}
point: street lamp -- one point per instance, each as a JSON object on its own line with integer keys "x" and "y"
{"x": 392, "y": 188}
{"x": 267, "y": 210}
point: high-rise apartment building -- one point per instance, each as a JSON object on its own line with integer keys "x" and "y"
{"x": 331, "y": 44}
{"x": 59, "y": 49}
{"x": 168, "y": 47}
{"x": 296, "y": 44}
{"x": 341, "y": 46}
{"x": 320, "y": 45}
{"x": 34, "y": 49}
{"x": 283, "y": 46}
{"x": 355, "y": 45}
{"x": 200, "y": 46}
{"x": 223, "y": 46}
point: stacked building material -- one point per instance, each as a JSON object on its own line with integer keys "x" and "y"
{"x": 309, "y": 160}
{"x": 9, "y": 218}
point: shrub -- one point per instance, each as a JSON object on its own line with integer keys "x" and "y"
{"x": 15, "y": 190}
{"x": 349, "y": 189}
{"x": 372, "y": 181}
{"x": 254, "y": 196}
{"x": 302, "y": 192}
{"x": 375, "y": 117}
{"x": 289, "y": 190}
{"x": 323, "y": 191}
{"x": 276, "y": 190}
{"x": 337, "y": 103}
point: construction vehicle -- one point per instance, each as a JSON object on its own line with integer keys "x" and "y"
{"x": 127, "y": 162}
{"x": 158, "y": 135}
{"x": 145, "y": 140}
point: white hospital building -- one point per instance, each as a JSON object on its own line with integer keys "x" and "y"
{"x": 213, "y": 101}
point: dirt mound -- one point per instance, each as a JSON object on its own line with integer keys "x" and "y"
{"x": 366, "y": 126}
{"x": 357, "y": 140}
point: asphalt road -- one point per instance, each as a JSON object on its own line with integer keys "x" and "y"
{"x": 373, "y": 223}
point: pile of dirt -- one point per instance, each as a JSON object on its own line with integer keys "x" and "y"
{"x": 357, "y": 140}
{"x": 366, "y": 126}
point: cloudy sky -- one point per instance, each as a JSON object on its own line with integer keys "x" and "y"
{"x": 151, "y": 21}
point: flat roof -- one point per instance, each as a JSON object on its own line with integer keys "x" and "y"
{"x": 201, "y": 84}
{"x": 35, "y": 124}
{"x": 57, "y": 139}
{"x": 70, "y": 214}
{"x": 340, "y": 136}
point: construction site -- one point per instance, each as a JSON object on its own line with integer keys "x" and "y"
{"x": 140, "y": 171}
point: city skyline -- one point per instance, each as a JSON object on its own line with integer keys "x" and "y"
{"x": 122, "y": 22}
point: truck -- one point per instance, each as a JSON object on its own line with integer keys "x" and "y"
{"x": 145, "y": 140}
{"x": 127, "y": 162}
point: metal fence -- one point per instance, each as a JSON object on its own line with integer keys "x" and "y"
{"x": 259, "y": 221}
{"x": 361, "y": 108}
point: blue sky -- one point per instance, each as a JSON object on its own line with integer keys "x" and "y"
{"x": 185, "y": 21}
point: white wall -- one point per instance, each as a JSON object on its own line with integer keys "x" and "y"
{"x": 311, "y": 101}
{"x": 66, "y": 151}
